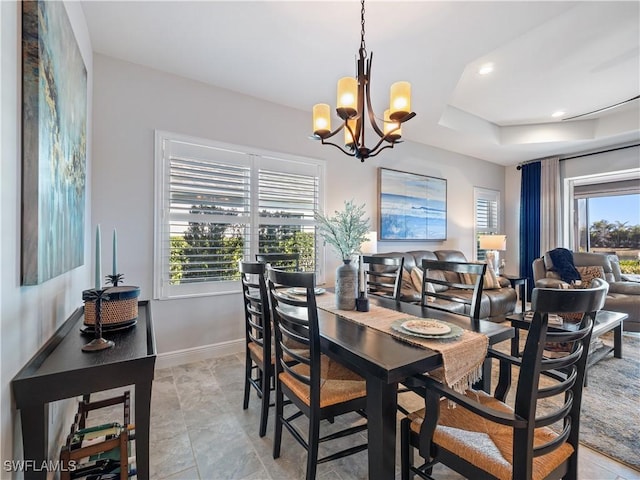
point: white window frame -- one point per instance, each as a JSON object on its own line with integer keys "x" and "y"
{"x": 482, "y": 193}
{"x": 568, "y": 234}
{"x": 255, "y": 159}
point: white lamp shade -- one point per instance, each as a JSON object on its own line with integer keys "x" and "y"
{"x": 493, "y": 242}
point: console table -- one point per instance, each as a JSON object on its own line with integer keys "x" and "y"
{"x": 60, "y": 369}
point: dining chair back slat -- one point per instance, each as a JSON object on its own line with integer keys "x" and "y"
{"x": 537, "y": 428}
{"x": 306, "y": 377}
{"x": 383, "y": 275}
{"x": 282, "y": 261}
{"x": 451, "y": 292}
{"x": 258, "y": 361}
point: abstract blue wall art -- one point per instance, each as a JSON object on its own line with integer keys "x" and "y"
{"x": 411, "y": 206}
{"x": 54, "y": 136}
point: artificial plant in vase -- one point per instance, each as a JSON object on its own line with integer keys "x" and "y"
{"x": 345, "y": 232}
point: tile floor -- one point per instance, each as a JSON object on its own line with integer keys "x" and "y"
{"x": 199, "y": 431}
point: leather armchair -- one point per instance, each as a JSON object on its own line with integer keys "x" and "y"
{"x": 623, "y": 296}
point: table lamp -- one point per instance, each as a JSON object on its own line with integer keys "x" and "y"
{"x": 493, "y": 244}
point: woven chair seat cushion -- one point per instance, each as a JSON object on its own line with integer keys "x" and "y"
{"x": 338, "y": 384}
{"x": 256, "y": 353}
{"x": 486, "y": 444}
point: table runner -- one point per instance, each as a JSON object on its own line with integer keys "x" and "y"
{"x": 462, "y": 357}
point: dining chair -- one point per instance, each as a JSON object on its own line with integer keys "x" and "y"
{"x": 317, "y": 386}
{"x": 453, "y": 286}
{"x": 532, "y": 436}
{"x": 258, "y": 354}
{"x": 384, "y": 275}
{"x": 281, "y": 261}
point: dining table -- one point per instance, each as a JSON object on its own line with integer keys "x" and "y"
{"x": 384, "y": 361}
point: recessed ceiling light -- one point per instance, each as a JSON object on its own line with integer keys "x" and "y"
{"x": 486, "y": 69}
{"x": 557, "y": 114}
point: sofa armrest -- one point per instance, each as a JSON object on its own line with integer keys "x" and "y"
{"x": 630, "y": 277}
{"x": 626, "y": 288}
{"x": 504, "y": 282}
{"x": 550, "y": 283}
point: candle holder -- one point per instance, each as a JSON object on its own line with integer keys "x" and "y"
{"x": 362, "y": 303}
{"x": 98, "y": 343}
{"x": 114, "y": 279}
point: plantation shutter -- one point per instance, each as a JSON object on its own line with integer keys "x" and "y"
{"x": 487, "y": 215}
{"x": 217, "y": 204}
{"x": 207, "y": 205}
{"x": 287, "y": 201}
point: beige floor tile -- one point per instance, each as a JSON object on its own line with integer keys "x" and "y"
{"x": 200, "y": 431}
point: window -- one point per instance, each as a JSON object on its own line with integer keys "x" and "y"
{"x": 217, "y": 204}
{"x": 607, "y": 216}
{"x": 486, "y": 215}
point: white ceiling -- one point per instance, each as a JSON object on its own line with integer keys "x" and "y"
{"x": 572, "y": 56}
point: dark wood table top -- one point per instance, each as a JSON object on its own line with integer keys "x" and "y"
{"x": 374, "y": 353}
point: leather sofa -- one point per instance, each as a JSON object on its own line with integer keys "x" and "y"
{"x": 623, "y": 296}
{"x": 495, "y": 303}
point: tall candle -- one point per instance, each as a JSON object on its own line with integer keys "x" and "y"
{"x": 115, "y": 252}
{"x": 362, "y": 287}
{"x": 98, "y": 256}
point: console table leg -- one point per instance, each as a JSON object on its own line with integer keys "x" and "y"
{"x": 142, "y": 421}
{"x": 35, "y": 432}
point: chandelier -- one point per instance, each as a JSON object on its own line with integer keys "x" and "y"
{"x": 354, "y": 105}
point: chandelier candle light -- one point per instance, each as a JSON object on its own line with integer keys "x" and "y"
{"x": 354, "y": 104}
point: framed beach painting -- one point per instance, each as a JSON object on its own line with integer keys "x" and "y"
{"x": 54, "y": 141}
{"x": 411, "y": 206}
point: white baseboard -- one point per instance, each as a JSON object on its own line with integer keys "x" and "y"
{"x": 197, "y": 354}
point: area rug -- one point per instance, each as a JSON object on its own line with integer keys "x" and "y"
{"x": 610, "y": 418}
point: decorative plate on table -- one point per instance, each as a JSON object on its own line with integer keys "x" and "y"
{"x": 426, "y": 327}
{"x": 401, "y": 325}
{"x": 303, "y": 291}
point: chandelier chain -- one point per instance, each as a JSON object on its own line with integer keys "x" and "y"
{"x": 354, "y": 109}
{"x": 363, "y": 47}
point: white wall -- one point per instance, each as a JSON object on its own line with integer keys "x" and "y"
{"x": 131, "y": 101}
{"x": 29, "y": 315}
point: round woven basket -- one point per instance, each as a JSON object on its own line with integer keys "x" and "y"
{"x": 120, "y": 308}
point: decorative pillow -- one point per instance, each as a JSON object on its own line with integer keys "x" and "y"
{"x": 586, "y": 275}
{"x": 406, "y": 283}
{"x": 589, "y": 273}
{"x": 416, "y": 279}
{"x": 490, "y": 282}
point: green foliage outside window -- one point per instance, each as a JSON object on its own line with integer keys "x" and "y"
{"x": 209, "y": 251}
{"x": 620, "y": 238}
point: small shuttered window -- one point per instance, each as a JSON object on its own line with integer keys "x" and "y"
{"x": 217, "y": 204}
{"x": 486, "y": 215}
